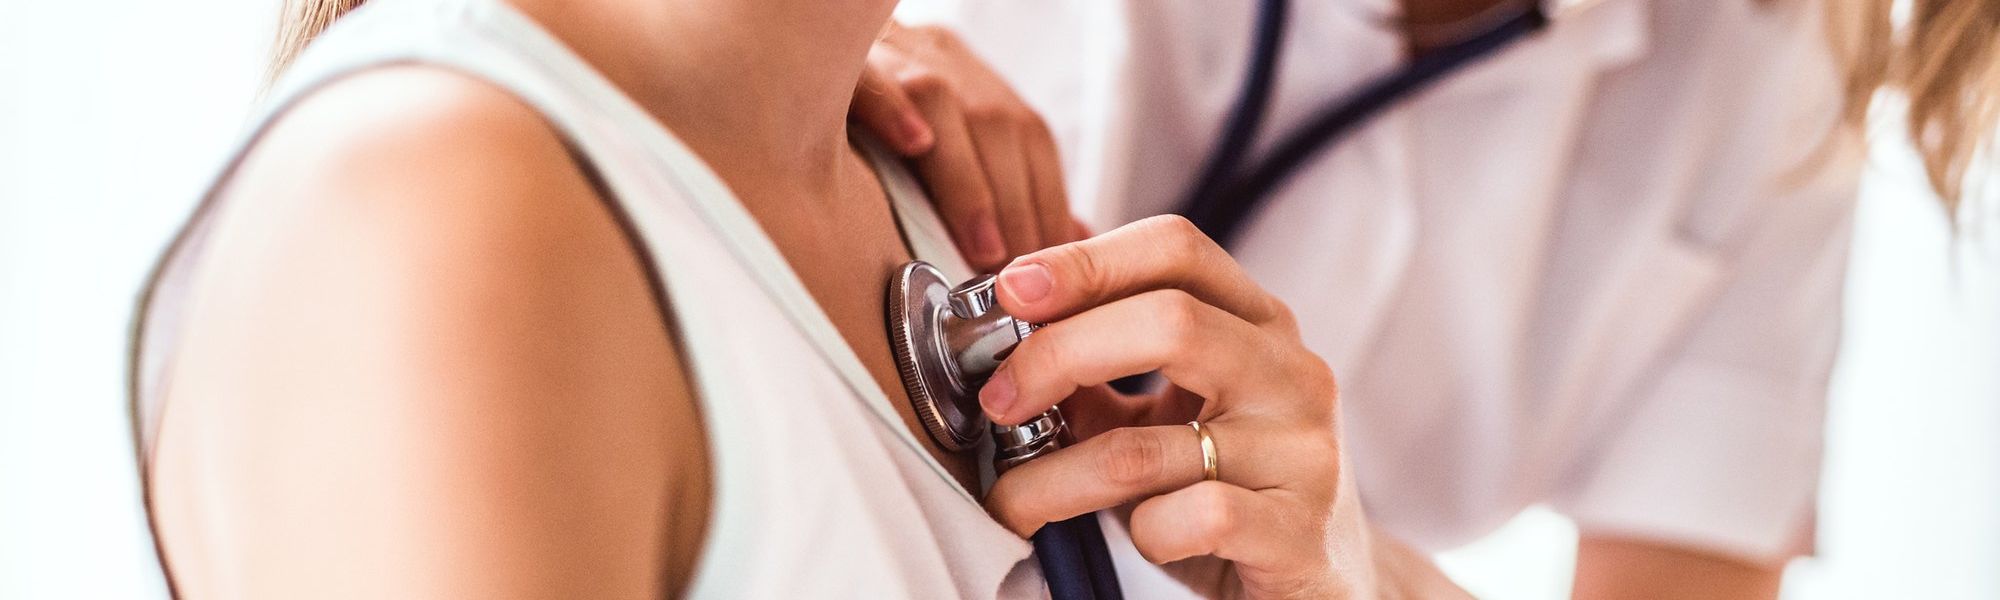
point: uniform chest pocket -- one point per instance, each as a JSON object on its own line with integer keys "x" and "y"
{"x": 1648, "y": 308}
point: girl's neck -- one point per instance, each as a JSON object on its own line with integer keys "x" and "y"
{"x": 759, "y": 88}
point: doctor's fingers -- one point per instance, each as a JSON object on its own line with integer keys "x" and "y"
{"x": 1200, "y": 348}
{"x": 882, "y": 107}
{"x": 1265, "y": 532}
{"x": 1015, "y": 152}
{"x": 1005, "y": 164}
{"x": 1018, "y": 157}
{"x": 1058, "y": 225}
{"x": 1134, "y": 463}
{"x": 952, "y": 172}
{"x": 1154, "y": 253}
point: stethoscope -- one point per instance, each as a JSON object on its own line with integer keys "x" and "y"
{"x": 949, "y": 339}
{"x": 1227, "y": 192}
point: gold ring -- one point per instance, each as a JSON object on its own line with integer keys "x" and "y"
{"x": 1209, "y": 461}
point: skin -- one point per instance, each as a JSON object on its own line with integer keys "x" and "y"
{"x": 933, "y": 99}
{"x": 1612, "y": 567}
{"x": 409, "y": 273}
{"x": 1432, "y": 24}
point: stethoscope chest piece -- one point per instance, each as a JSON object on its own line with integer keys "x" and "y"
{"x": 948, "y": 341}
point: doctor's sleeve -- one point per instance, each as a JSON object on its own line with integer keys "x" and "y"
{"x": 1718, "y": 445}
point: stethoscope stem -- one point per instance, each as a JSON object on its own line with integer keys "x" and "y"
{"x": 1074, "y": 558}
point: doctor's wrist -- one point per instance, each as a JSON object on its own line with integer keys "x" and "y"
{"x": 1399, "y": 571}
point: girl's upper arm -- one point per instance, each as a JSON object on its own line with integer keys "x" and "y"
{"x": 423, "y": 359}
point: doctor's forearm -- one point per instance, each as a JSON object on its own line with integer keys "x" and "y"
{"x": 1610, "y": 568}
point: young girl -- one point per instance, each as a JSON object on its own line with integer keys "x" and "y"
{"x": 584, "y": 298}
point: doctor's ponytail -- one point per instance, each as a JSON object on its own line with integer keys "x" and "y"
{"x": 1943, "y": 56}
{"x": 301, "y": 21}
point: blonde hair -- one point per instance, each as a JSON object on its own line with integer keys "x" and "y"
{"x": 301, "y": 21}
{"x": 1945, "y": 59}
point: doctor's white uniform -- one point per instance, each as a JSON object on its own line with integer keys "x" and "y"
{"x": 1600, "y": 271}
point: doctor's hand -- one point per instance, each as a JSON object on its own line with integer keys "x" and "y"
{"x": 1157, "y": 294}
{"x": 986, "y": 157}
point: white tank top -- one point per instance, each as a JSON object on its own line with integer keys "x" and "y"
{"x": 819, "y": 489}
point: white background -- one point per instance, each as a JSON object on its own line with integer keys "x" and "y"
{"x": 113, "y": 113}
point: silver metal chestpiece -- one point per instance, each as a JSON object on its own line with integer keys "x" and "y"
{"x": 948, "y": 341}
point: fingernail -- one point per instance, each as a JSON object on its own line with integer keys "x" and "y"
{"x": 987, "y": 248}
{"x": 1028, "y": 283}
{"x": 916, "y": 134}
{"x": 998, "y": 395}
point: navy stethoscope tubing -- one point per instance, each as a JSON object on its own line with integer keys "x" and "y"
{"x": 1075, "y": 562}
{"x": 1227, "y": 192}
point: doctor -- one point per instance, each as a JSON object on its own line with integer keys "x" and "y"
{"x": 1599, "y": 270}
